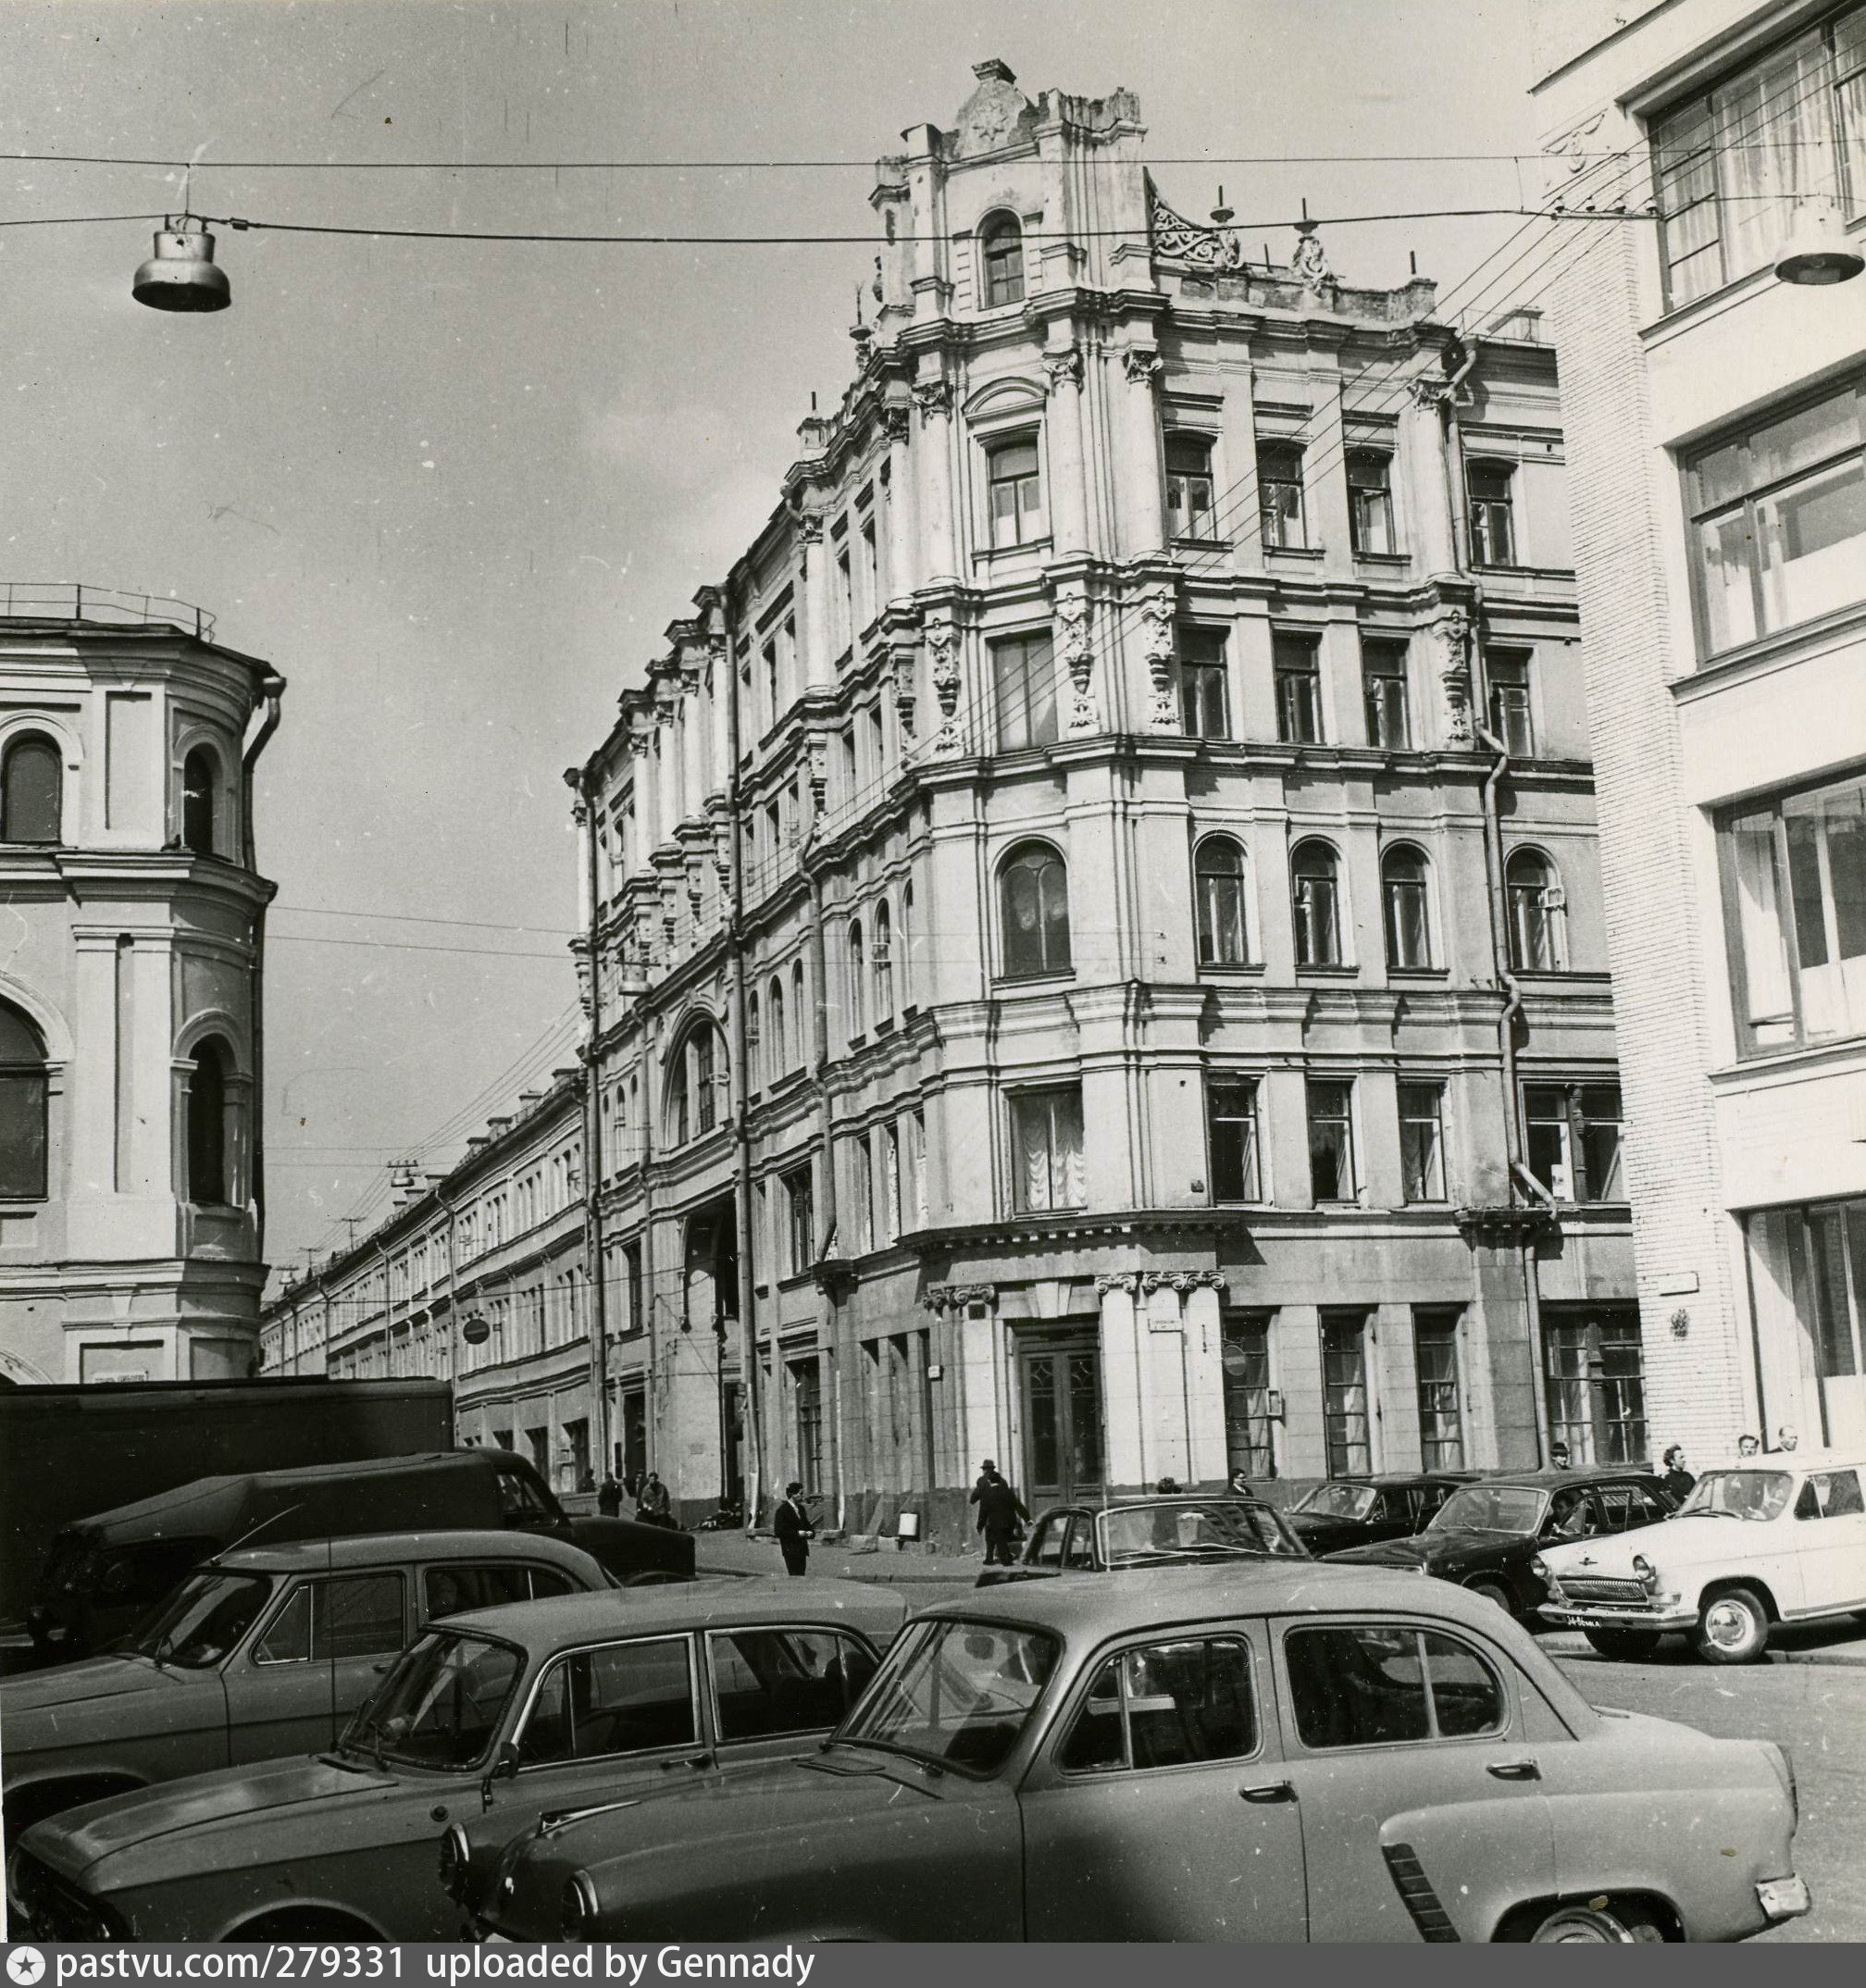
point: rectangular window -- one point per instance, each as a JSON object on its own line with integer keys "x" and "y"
{"x": 845, "y": 600}
{"x": 632, "y": 1275}
{"x": 871, "y": 570}
{"x": 1279, "y": 494}
{"x": 1024, "y": 677}
{"x": 773, "y": 689}
{"x": 1370, "y": 501}
{"x": 916, "y": 1168}
{"x": 1204, "y": 691}
{"x": 627, "y": 1698}
{"x": 878, "y": 744}
{"x": 806, "y": 1395}
{"x": 325, "y": 1622}
{"x": 1015, "y": 484}
{"x": 1488, "y": 488}
{"x": 1231, "y": 1135}
{"x": 1596, "y": 1386}
{"x": 1046, "y": 1138}
{"x": 1794, "y": 882}
{"x": 891, "y": 1184}
{"x": 1441, "y": 1420}
{"x": 1778, "y": 517}
{"x": 1383, "y": 677}
{"x": 1344, "y": 1388}
{"x": 1170, "y": 1704}
{"x": 1245, "y": 1353}
{"x": 851, "y": 779}
{"x": 1296, "y": 661}
{"x": 1369, "y": 1685}
{"x": 1511, "y": 718}
{"x": 1188, "y": 488}
{"x": 1574, "y": 1139}
{"x": 860, "y": 1197}
{"x": 1331, "y": 1141}
{"x": 800, "y": 1221}
{"x": 1422, "y": 1140}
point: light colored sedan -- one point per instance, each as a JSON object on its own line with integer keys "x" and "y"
{"x": 1266, "y": 1752}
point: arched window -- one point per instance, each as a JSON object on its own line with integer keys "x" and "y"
{"x": 1000, "y": 250}
{"x": 1405, "y": 893}
{"x": 1218, "y": 870}
{"x": 1316, "y": 897}
{"x": 799, "y": 1016}
{"x": 22, "y": 1109}
{"x": 857, "y": 1004}
{"x": 1536, "y": 906}
{"x": 1033, "y": 889}
{"x": 883, "y": 962}
{"x": 778, "y": 1059}
{"x": 31, "y": 791}
{"x": 207, "y": 1181}
{"x": 754, "y": 1042}
{"x": 907, "y": 946}
{"x": 693, "y": 1086}
{"x": 200, "y": 780}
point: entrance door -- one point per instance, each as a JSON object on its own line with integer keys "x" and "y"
{"x": 1061, "y": 1390}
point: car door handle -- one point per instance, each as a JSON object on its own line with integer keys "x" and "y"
{"x": 692, "y": 1759}
{"x": 1513, "y": 1769}
{"x": 1269, "y": 1791}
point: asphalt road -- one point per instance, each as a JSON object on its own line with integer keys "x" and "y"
{"x": 1818, "y": 1712}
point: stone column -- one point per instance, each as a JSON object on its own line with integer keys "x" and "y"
{"x": 1421, "y": 444}
{"x": 719, "y": 693}
{"x": 666, "y": 777}
{"x": 1069, "y": 495}
{"x": 1123, "y": 1392}
{"x": 933, "y": 494}
{"x": 1168, "y": 1451}
{"x": 818, "y": 655}
{"x": 1205, "y": 1378}
{"x": 692, "y": 745}
{"x": 1139, "y": 478}
{"x": 903, "y": 575}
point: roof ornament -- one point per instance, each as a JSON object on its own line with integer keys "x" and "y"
{"x": 1179, "y": 240}
{"x": 1310, "y": 259}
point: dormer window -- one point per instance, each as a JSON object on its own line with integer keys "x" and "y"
{"x": 1000, "y": 252}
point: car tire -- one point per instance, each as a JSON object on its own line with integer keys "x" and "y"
{"x": 1493, "y": 1591}
{"x": 1733, "y": 1627}
{"x": 1624, "y": 1646}
{"x": 1602, "y": 1922}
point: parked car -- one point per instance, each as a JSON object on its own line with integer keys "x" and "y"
{"x": 495, "y": 1723}
{"x": 261, "y": 1652}
{"x": 1148, "y": 1531}
{"x": 106, "y": 1571}
{"x": 1066, "y": 1763}
{"x": 1781, "y": 1539}
{"x": 1359, "y": 1511}
{"x": 1485, "y": 1535}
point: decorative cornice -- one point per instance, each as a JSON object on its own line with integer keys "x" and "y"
{"x": 1504, "y": 1226}
{"x": 939, "y": 1296}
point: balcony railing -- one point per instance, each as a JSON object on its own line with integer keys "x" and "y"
{"x": 74, "y": 601}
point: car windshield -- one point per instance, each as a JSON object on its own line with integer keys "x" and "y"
{"x": 201, "y": 1622}
{"x": 1490, "y": 1509}
{"x": 1338, "y": 1501}
{"x": 1185, "y": 1529}
{"x": 441, "y": 1706}
{"x": 957, "y": 1694}
{"x": 1738, "y": 1494}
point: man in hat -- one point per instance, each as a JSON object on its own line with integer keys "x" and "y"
{"x": 795, "y": 1529}
{"x": 1001, "y": 1516}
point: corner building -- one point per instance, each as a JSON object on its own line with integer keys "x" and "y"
{"x": 131, "y": 1194}
{"x": 1718, "y": 415}
{"x": 1140, "y": 777}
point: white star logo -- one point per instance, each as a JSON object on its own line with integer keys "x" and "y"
{"x": 26, "y": 1964}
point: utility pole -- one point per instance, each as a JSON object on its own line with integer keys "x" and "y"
{"x": 583, "y": 784}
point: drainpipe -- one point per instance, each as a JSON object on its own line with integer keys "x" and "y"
{"x": 583, "y": 784}
{"x": 829, "y": 1225}
{"x": 447, "y": 1208}
{"x": 272, "y": 689}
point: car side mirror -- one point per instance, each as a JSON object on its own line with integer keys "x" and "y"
{"x": 503, "y": 1768}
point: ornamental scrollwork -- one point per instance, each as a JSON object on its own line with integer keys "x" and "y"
{"x": 1453, "y": 630}
{"x": 939, "y": 1296}
{"x": 1158, "y": 610}
{"x": 1310, "y": 259}
{"x": 1073, "y": 612}
{"x": 897, "y": 419}
{"x": 1200, "y": 247}
{"x": 1183, "y": 1281}
{"x": 1142, "y": 368}
{"x": 809, "y": 527}
{"x": 950, "y": 739}
{"x": 933, "y": 397}
{"x": 1118, "y": 1280}
{"x": 1065, "y": 369}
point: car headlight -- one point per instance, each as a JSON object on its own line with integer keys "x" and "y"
{"x": 1645, "y": 1573}
{"x": 457, "y": 1859}
{"x": 578, "y": 1919}
{"x": 1539, "y": 1567}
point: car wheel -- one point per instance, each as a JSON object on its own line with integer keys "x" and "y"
{"x": 1493, "y": 1591}
{"x": 1733, "y": 1628}
{"x": 1602, "y": 1922}
{"x": 1624, "y": 1646}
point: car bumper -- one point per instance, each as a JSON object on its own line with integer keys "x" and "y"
{"x": 1654, "y": 1619}
{"x": 1784, "y": 1898}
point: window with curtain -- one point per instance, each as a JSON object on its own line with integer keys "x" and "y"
{"x": 1218, "y": 875}
{"x": 1406, "y": 890}
{"x": 31, "y": 789}
{"x": 1204, "y": 685}
{"x": 1315, "y": 902}
{"x": 1024, "y": 685}
{"x": 1331, "y": 1139}
{"x": 1512, "y": 717}
{"x": 1434, "y": 1361}
{"x": 1034, "y": 902}
{"x": 1535, "y": 904}
{"x": 1245, "y": 1356}
{"x": 1574, "y": 1133}
{"x": 1046, "y": 1139}
{"x": 24, "y": 1109}
{"x": 1595, "y": 1384}
{"x": 1422, "y": 1140}
{"x": 1001, "y": 251}
{"x": 1297, "y": 665}
{"x": 200, "y": 780}
{"x": 800, "y": 1221}
{"x": 1345, "y": 1408}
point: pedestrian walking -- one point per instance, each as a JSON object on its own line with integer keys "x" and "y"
{"x": 1002, "y": 1517}
{"x": 652, "y": 1506}
{"x": 1677, "y": 1479}
{"x": 609, "y": 1496}
{"x": 795, "y": 1529}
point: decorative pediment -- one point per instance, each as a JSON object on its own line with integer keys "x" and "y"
{"x": 1000, "y": 397}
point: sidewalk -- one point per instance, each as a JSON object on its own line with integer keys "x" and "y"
{"x": 734, "y": 1553}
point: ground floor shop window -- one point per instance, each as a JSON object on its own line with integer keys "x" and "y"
{"x": 1345, "y": 1408}
{"x": 1245, "y": 1355}
{"x": 1808, "y": 1270}
{"x": 1441, "y": 1417}
{"x": 1596, "y": 1384}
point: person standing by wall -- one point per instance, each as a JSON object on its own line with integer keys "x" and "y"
{"x": 795, "y": 1529}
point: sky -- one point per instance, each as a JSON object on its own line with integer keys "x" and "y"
{"x": 455, "y": 491}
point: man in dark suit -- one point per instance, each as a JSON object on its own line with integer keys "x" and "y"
{"x": 794, "y": 1528}
{"x": 1001, "y": 1515}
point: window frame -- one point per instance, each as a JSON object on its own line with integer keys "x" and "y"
{"x": 1499, "y": 1672}
{"x": 1310, "y": 1086}
{"x": 1046, "y": 968}
{"x": 1031, "y": 482}
{"x": 1482, "y": 512}
{"x": 1436, "y": 1119}
{"x": 1357, "y": 491}
{"x": 1182, "y": 521}
{"x": 1251, "y": 1170}
{"x": 1041, "y": 717}
{"x": 1000, "y": 227}
{"x": 1391, "y": 905}
{"x": 1576, "y": 1124}
{"x": 1553, "y": 916}
{"x": 26, "y": 1083}
{"x": 1446, "y": 1322}
{"x": 1046, "y": 1096}
{"x": 1386, "y": 659}
{"x": 1208, "y": 928}
{"x": 35, "y": 739}
{"x": 1203, "y": 665}
{"x": 1306, "y": 962}
{"x": 1282, "y": 499}
{"x": 1075, "y": 1708}
{"x": 798, "y": 1185}
{"x": 1296, "y": 658}
{"x": 562, "y": 1657}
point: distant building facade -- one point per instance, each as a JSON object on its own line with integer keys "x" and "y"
{"x": 1715, "y": 413}
{"x": 1098, "y": 952}
{"x": 131, "y": 1047}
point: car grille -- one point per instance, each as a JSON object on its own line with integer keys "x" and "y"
{"x": 56, "y": 1909}
{"x": 1601, "y": 1588}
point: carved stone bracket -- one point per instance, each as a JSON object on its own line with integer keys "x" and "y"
{"x": 809, "y": 527}
{"x": 1142, "y": 368}
{"x": 939, "y": 1296}
{"x": 1183, "y": 1281}
{"x": 933, "y": 397}
{"x": 639, "y": 743}
{"x": 949, "y": 741}
{"x": 689, "y": 680}
{"x": 900, "y": 685}
{"x": 1073, "y": 613}
{"x": 1065, "y": 369}
{"x": 817, "y": 774}
{"x": 1210, "y": 249}
{"x": 696, "y": 870}
{"x": 1504, "y": 1227}
{"x": 1118, "y": 1280}
{"x": 722, "y": 851}
{"x": 897, "y": 420}
{"x": 1158, "y": 610}
{"x": 1453, "y": 632}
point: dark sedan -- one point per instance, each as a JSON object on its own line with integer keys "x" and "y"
{"x": 1149, "y": 1532}
{"x": 1360, "y": 1511}
{"x": 1485, "y": 1535}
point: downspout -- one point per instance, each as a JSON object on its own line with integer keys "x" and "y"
{"x": 453, "y": 1309}
{"x": 272, "y": 689}
{"x": 830, "y": 1226}
{"x": 581, "y": 783}
{"x": 749, "y": 1383}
